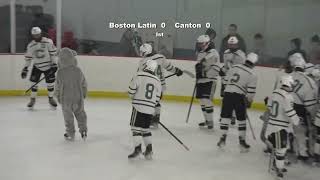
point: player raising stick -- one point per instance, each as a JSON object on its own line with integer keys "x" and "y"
{"x": 163, "y": 64}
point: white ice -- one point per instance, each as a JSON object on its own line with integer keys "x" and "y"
{"x": 33, "y": 148}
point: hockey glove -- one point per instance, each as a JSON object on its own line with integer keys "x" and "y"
{"x": 248, "y": 103}
{"x": 222, "y": 72}
{"x": 199, "y": 68}
{"x": 266, "y": 100}
{"x": 179, "y": 72}
{"x": 53, "y": 69}
{"x": 24, "y": 72}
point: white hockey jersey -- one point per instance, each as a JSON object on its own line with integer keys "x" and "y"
{"x": 163, "y": 64}
{"x": 232, "y": 58}
{"x": 42, "y": 53}
{"x": 305, "y": 91}
{"x": 210, "y": 60}
{"x": 145, "y": 92}
{"x": 282, "y": 115}
{"x": 242, "y": 80}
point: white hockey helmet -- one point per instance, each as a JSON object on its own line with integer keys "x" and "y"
{"x": 35, "y": 31}
{"x": 145, "y": 49}
{"x": 308, "y": 68}
{"x": 316, "y": 74}
{"x": 286, "y": 80}
{"x": 203, "y": 39}
{"x": 296, "y": 57}
{"x": 233, "y": 40}
{"x": 298, "y": 62}
{"x": 252, "y": 57}
{"x": 151, "y": 65}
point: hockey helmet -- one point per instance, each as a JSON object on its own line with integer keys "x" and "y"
{"x": 287, "y": 80}
{"x": 145, "y": 49}
{"x": 203, "y": 42}
{"x": 35, "y": 31}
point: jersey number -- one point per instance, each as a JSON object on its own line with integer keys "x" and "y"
{"x": 159, "y": 72}
{"x": 274, "y": 109}
{"x": 235, "y": 78}
{"x": 149, "y": 91}
{"x": 297, "y": 86}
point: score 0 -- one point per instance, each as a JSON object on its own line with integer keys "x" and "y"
{"x": 208, "y": 25}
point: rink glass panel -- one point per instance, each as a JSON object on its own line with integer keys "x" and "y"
{"x": 34, "y": 13}
{"x": 5, "y": 26}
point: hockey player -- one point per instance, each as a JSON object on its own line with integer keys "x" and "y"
{"x": 147, "y": 53}
{"x": 43, "y": 53}
{"x": 281, "y": 117}
{"x": 145, "y": 92}
{"x": 207, "y": 71}
{"x": 305, "y": 94}
{"x": 70, "y": 90}
{"x": 232, "y": 56}
{"x": 239, "y": 93}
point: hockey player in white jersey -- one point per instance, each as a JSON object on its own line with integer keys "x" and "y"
{"x": 282, "y": 117}
{"x": 238, "y": 96}
{"x": 145, "y": 91}
{"x": 305, "y": 94}
{"x": 42, "y": 52}
{"x": 232, "y": 56}
{"x": 147, "y": 53}
{"x": 207, "y": 72}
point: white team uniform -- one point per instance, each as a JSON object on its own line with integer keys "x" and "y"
{"x": 305, "y": 91}
{"x": 242, "y": 80}
{"x": 281, "y": 111}
{"x": 145, "y": 91}
{"x": 42, "y": 53}
{"x": 305, "y": 94}
{"x": 281, "y": 117}
{"x": 210, "y": 60}
{"x": 232, "y": 58}
{"x": 163, "y": 64}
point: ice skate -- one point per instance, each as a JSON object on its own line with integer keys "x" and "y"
{"x": 222, "y": 141}
{"x": 209, "y": 124}
{"x": 31, "y": 103}
{"x": 137, "y": 151}
{"x": 52, "y": 102}
{"x": 148, "y": 153}
{"x": 244, "y": 147}
{"x": 84, "y": 135}
{"x": 316, "y": 161}
{"x": 68, "y": 137}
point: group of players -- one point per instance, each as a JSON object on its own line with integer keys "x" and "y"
{"x": 292, "y": 117}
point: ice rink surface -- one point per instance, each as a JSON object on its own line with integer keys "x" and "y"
{"x": 33, "y": 148}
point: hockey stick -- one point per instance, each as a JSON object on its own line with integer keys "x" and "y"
{"x": 34, "y": 85}
{"x": 37, "y": 83}
{"x": 271, "y": 159}
{"x": 190, "y": 106}
{"x": 174, "y": 136}
{"x": 190, "y": 74}
{"x": 250, "y": 125}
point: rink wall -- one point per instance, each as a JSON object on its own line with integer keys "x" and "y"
{"x": 110, "y": 76}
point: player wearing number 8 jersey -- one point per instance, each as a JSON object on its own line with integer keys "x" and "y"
{"x": 238, "y": 95}
{"x": 42, "y": 52}
{"x": 145, "y": 92}
{"x": 147, "y": 53}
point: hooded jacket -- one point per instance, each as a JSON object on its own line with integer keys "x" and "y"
{"x": 71, "y": 85}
